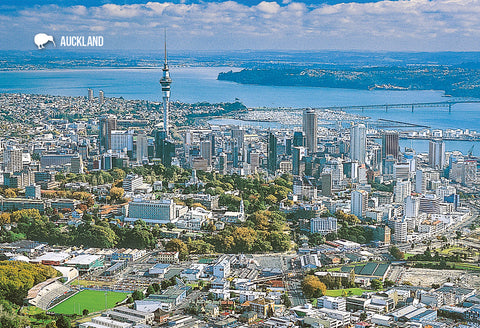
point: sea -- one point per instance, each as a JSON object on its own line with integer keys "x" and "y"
{"x": 198, "y": 84}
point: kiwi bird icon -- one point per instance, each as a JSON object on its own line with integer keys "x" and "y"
{"x": 41, "y": 39}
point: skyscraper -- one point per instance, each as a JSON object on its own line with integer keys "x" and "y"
{"x": 358, "y": 143}
{"x": 272, "y": 153}
{"x": 12, "y": 159}
{"x": 165, "y": 82}
{"x": 101, "y": 97}
{"x": 90, "y": 94}
{"x": 359, "y": 202}
{"x": 164, "y": 148}
{"x": 390, "y": 145}
{"x": 106, "y": 126}
{"x": 436, "y": 154}
{"x": 310, "y": 125}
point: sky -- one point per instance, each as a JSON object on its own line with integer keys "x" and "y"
{"x": 408, "y": 25}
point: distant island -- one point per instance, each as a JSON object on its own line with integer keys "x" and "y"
{"x": 458, "y": 81}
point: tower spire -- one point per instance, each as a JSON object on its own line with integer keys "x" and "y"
{"x": 165, "y": 82}
{"x": 165, "y": 44}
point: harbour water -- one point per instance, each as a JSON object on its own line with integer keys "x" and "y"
{"x": 195, "y": 84}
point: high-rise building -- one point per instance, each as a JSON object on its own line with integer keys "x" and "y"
{"x": 359, "y": 203}
{"x": 310, "y": 127}
{"x": 76, "y": 165}
{"x": 12, "y": 159}
{"x": 101, "y": 97}
{"x": 164, "y": 148}
{"x": 326, "y": 184}
{"x": 297, "y": 155}
{"x": 401, "y": 230}
{"x": 142, "y": 148}
{"x": 390, "y": 144}
{"x": 272, "y": 153}
{"x": 402, "y": 190}
{"x": 358, "y": 143}
{"x": 90, "y": 94}
{"x": 107, "y": 124}
{"x": 33, "y": 191}
{"x": 206, "y": 150}
{"x": 436, "y": 154}
{"x": 121, "y": 140}
{"x": 165, "y": 82}
{"x": 298, "y": 139}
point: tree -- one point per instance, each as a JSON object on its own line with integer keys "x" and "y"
{"x": 10, "y": 193}
{"x": 116, "y": 193}
{"x": 396, "y": 253}
{"x": 85, "y": 312}
{"x": 176, "y": 245}
{"x": 286, "y": 300}
{"x": 313, "y": 287}
{"x": 137, "y": 295}
{"x": 63, "y": 322}
{"x": 376, "y": 284}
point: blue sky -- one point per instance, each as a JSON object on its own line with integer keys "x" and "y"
{"x": 408, "y": 25}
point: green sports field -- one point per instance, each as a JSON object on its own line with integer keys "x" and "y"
{"x": 92, "y": 300}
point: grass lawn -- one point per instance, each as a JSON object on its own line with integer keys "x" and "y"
{"x": 407, "y": 255}
{"x": 339, "y": 292}
{"x": 92, "y": 300}
{"x": 334, "y": 269}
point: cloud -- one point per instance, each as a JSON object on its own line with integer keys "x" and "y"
{"x": 384, "y": 25}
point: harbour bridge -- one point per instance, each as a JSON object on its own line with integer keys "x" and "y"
{"x": 444, "y": 104}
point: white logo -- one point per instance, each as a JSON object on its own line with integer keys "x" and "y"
{"x": 41, "y": 39}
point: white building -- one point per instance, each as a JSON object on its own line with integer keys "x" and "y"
{"x": 122, "y": 140}
{"x": 132, "y": 182}
{"x": 402, "y": 190}
{"x": 400, "y": 234}
{"x": 151, "y": 211}
{"x": 358, "y": 143}
{"x": 323, "y": 226}
{"x": 359, "y": 203}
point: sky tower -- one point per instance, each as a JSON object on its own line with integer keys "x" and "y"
{"x": 165, "y": 82}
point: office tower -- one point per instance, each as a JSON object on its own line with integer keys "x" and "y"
{"x": 164, "y": 148}
{"x": 402, "y": 190}
{"x": 101, "y": 97}
{"x": 401, "y": 230}
{"x": 212, "y": 141}
{"x": 107, "y": 124}
{"x": 272, "y": 153}
{"x": 411, "y": 207}
{"x": 390, "y": 144}
{"x": 420, "y": 182}
{"x": 310, "y": 127}
{"x": 222, "y": 163}
{"x": 12, "y": 159}
{"x": 165, "y": 82}
{"x": 326, "y": 184}
{"x": 76, "y": 165}
{"x": 298, "y": 139}
{"x": 359, "y": 203}
{"x": 90, "y": 94}
{"x": 297, "y": 155}
{"x": 254, "y": 161}
{"x": 238, "y": 135}
{"x": 121, "y": 140}
{"x": 436, "y": 154}
{"x": 288, "y": 146}
{"x": 206, "y": 150}
{"x": 142, "y": 148}
{"x": 358, "y": 143}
